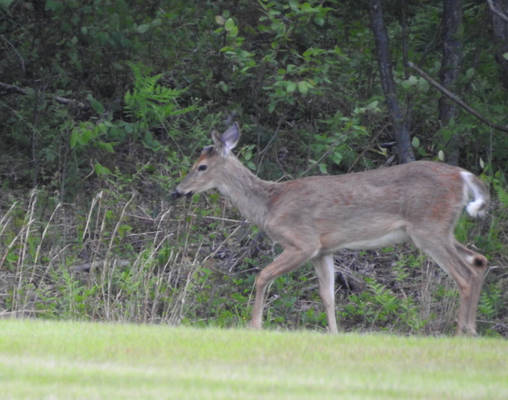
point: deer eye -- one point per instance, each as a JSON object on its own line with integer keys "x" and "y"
{"x": 202, "y": 167}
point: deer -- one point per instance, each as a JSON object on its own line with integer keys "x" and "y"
{"x": 314, "y": 217}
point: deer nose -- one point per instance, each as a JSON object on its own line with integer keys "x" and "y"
{"x": 176, "y": 194}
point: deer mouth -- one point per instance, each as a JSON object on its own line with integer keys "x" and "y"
{"x": 176, "y": 194}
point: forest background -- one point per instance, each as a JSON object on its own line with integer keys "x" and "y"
{"x": 104, "y": 104}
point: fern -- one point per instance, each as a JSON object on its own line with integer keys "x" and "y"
{"x": 502, "y": 195}
{"x": 151, "y": 102}
{"x": 490, "y": 301}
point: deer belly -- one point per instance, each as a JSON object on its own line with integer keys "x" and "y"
{"x": 388, "y": 239}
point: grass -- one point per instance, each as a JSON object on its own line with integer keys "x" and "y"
{"x": 78, "y": 360}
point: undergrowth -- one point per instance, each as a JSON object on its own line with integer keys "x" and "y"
{"x": 117, "y": 258}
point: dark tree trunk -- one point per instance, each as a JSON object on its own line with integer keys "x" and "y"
{"x": 400, "y": 127}
{"x": 450, "y": 68}
{"x": 500, "y": 29}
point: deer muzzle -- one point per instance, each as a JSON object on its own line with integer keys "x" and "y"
{"x": 176, "y": 194}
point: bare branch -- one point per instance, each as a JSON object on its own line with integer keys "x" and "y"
{"x": 59, "y": 99}
{"x": 499, "y": 13}
{"x": 456, "y": 98}
{"x": 21, "y": 59}
{"x": 12, "y": 88}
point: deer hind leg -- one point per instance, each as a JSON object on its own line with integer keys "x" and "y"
{"x": 478, "y": 265}
{"x": 290, "y": 259}
{"x": 464, "y": 266}
{"x": 326, "y": 275}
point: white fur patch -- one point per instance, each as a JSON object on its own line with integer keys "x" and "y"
{"x": 470, "y": 259}
{"x": 473, "y": 208}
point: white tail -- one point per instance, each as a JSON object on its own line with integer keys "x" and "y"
{"x": 313, "y": 217}
{"x": 477, "y": 207}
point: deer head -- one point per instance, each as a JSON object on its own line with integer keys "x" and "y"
{"x": 210, "y": 164}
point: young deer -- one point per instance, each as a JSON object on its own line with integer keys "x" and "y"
{"x": 313, "y": 217}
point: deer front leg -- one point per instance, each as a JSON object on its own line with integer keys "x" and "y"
{"x": 326, "y": 275}
{"x": 290, "y": 259}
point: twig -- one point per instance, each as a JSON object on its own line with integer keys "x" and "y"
{"x": 222, "y": 219}
{"x": 371, "y": 142}
{"x": 21, "y": 60}
{"x": 94, "y": 201}
{"x": 58, "y": 99}
{"x": 115, "y": 230}
{"x": 456, "y": 98}
{"x": 9, "y": 247}
{"x": 4, "y": 221}
{"x": 213, "y": 253}
{"x": 322, "y": 157}
{"x": 38, "y": 251}
{"x": 499, "y": 13}
{"x": 27, "y": 227}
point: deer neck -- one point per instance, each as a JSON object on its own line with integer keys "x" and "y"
{"x": 246, "y": 191}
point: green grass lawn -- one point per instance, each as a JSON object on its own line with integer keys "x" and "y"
{"x": 75, "y": 360}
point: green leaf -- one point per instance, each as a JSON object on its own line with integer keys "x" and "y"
{"x": 223, "y": 86}
{"x": 415, "y": 142}
{"x": 86, "y": 136}
{"x": 336, "y": 157}
{"x": 5, "y": 3}
{"x": 101, "y": 170}
{"x": 105, "y": 146}
{"x": 294, "y": 5}
{"x": 303, "y": 87}
{"x": 373, "y": 106}
{"x": 505, "y": 56}
{"x": 231, "y": 27}
{"x": 142, "y": 28}
{"x": 96, "y": 105}
{"x": 219, "y": 19}
{"x": 75, "y": 139}
{"x": 320, "y": 21}
{"x": 248, "y": 153}
{"x": 409, "y": 82}
{"x": 52, "y": 5}
{"x": 150, "y": 142}
{"x": 290, "y": 87}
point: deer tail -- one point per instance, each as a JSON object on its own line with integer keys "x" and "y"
{"x": 476, "y": 194}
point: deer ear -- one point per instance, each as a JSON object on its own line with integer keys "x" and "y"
{"x": 217, "y": 141}
{"x": 230, "y": 138}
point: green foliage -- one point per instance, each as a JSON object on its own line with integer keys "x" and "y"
{"x": 151, "y": 104}
{"x": 491, "y": 301}
{"x": 380, "y": 306}
{"x": 154, "y": 78}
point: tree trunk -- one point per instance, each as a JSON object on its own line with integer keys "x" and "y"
{"x": 500, "y": 29}
{"x": 450, "y": 68}
{"x": 400, "y": 127}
